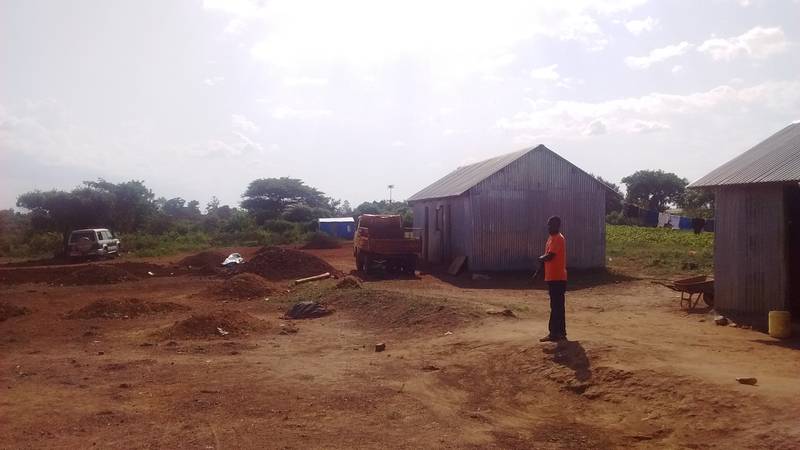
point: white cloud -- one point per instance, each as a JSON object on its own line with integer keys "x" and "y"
{"x": 478, "y": 37}
{"x": 398, "y": 144}
{"x": 758, "y": 43}
{"x": 657, "y": 55}
{"x": 649, "y": 113}
{"x": 546, "y": 73}
{"x": 305, "y": 81}
{"x": 677, "y": 68}
{"x": 213, "y": 81}
{"x": 595, "y": 127}
{"x": 637, "y": 27}
{"x": 242, "y": 123}
{"x": 285, "y": 112}
{"x": 236, "y": 26}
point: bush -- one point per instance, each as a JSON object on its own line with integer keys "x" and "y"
{"x": 618, "y": 218}
{"x": 279, "y": 226}
{"x": 321, "y": 240}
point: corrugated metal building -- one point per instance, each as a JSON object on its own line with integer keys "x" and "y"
{"x": 757, "y": 238}
{"x": 494, "y": 212}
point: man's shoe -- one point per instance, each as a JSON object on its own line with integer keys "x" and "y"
{"x": 548, "y": 338}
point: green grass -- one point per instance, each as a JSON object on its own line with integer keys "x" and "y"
{"x": 658, "y": 252}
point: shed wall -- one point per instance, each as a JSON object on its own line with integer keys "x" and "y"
{"x": 749, "y": 252}
{"x": 509, "y": 212}
{"x": 451, "y": 236}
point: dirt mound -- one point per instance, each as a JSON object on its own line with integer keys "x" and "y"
{"x": 7, "y": 311}
{"x": 219, "y": 324}
{"x": 322, "y": 241}
{"x": 123, "y": 309}
{"x": 348, "y": 282}
{"x": 204, "y": 262}
{"x": 244, "y": 286}
{"x": 96, "y": 274}
{"x": 275, "y": 263}
{"x": 400, "y": 312}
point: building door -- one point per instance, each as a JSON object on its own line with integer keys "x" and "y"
{"x": 792, "y": 202}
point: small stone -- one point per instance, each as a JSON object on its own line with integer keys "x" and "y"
{"x": 380, "y": 347}
{"x": 101, "y": 353}
{"x": 430, "y": 368}
{"x": 747, "y": 380}
{"x": 721, "y": 321}
{"x": 124, "y": 386}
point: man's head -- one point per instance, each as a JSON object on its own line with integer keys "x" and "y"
{"x": 553, "y": 225}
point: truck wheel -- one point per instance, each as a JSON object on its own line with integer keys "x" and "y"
{"x": 367, "y": 263}
{"x": 412, "y": 264}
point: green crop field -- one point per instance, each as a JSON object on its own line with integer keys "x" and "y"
{"x": 658, "y": 252}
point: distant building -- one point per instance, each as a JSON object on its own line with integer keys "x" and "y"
{"x": 495, "y": 212}
{"x": 757, "y": 240}
{"x": 340, "y": 227}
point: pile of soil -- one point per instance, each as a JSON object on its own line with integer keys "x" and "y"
{"x": 400, "y": 312}
{"x": 219, "y": 324}
{"x": 204, "y": 262}
{"x": 244, "y": 286}
{"x": 96, "y": 274}
{"x": 275, "y": 263}
{"x": 322, "y": 241}
{"x": 123, "y": 309}
{"x": 348, "y": 282}
{"x": 7, "y": 311}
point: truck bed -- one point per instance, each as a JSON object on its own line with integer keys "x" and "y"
{"x": 390, "y": 246}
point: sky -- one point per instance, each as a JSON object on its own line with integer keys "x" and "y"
{"x": 200, "y": 97}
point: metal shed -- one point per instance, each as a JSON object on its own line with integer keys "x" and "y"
{"x": 757, "y": 236}
{"x": 340, "y": 227}
{"x": 494, "y": 212}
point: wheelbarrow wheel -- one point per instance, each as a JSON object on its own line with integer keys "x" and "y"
{"x": 708, "y": 299}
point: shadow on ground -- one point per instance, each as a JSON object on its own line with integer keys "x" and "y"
{"x": 572, "y": 355}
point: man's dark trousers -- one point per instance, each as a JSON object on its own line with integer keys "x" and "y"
{"x": 558, "y": 321}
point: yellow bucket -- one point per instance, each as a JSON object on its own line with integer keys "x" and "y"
{"x": 780, "y": 324}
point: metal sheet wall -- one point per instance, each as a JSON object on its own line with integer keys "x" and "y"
{"x": 509, "y": 211}
{"x": 749, "y": 251}
{"x": 441, "y": 248}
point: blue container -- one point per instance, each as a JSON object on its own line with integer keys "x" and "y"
{"x": 340, "y": 227}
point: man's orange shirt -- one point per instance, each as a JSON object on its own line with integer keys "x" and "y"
{"x": 556, "y": 268}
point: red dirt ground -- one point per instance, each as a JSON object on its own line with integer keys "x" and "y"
{"x": 638, "y": 372}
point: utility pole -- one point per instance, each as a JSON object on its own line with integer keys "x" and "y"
{"x": 391, "y": 186}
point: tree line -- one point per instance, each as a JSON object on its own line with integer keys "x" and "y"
{"x": 272, "y": 210}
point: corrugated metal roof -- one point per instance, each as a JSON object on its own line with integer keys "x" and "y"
{"x": 775, "y": 160}
{"x": 336, "y": 220}
{"x": 462, "y": 179}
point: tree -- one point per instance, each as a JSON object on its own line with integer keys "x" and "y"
{"x": 268, "y": 198}
{"x": 63, "y": 212}
{"x": 654, "y": 189}
{"x": 613, "y": 199}
{"x": 697, "y": 203}
{"x": 132, "y": 203}
{"x": 384, "y": 207}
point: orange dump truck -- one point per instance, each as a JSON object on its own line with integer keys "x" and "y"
{"x": 381, "y": 239}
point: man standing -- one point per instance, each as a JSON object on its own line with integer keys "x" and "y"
{"x": 554, "y": 262}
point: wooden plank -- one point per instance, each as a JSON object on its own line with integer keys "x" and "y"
{"x": 456, "y": 265}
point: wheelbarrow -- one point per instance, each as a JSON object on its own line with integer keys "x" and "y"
{"x": 692, "y": 290}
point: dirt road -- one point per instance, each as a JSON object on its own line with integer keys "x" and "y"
{"x": 172, "y": 361}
